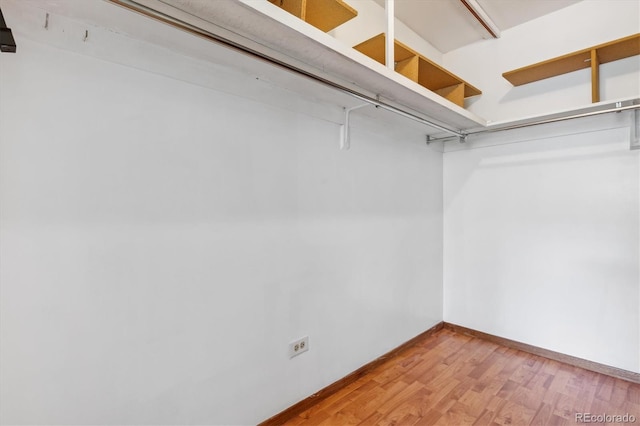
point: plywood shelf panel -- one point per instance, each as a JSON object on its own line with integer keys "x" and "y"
{"x": 454, "y": 93}
{"x": 434, "y": 77}
{"x": 619, "y": 49}
{"x": 294, "y": 7}
{"x": 375, "y": 49}
{"x": 409, "y": 68}
{"x": 417, "y": 68}
{"x": 275, "y": 33}
{"x": 550, "y": 68}
{"x": 322, "y": 14}
{"x": 591, "y": 57}
{"x": 328, "y": 14}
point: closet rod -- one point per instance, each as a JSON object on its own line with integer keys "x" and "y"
{"x": 177, "y": 23}
{"x": 539, "y": 122}
{"x": 554, "y": 120}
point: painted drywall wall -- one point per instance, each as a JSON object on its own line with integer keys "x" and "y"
{"x": 162, "y": 242}
{"x": 542, "y": 238}
{"x": 579, "y": 26}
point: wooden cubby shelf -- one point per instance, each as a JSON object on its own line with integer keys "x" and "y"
{"x": 322, "y": 14}
{"x": 591, "y": 57}
{"x": 416, "y": 67}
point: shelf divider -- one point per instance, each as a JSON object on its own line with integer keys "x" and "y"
{"x": 419, "y": 69}
{"x": 591, "y": 57}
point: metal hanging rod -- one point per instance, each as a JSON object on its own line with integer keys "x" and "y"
{"x": 459, "y": 135}
{"x": 539, "y": 122}
{"x": 554, "y": 120}
{"x": 185, "y": 26}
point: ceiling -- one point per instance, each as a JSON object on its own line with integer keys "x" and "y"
{"x": 448, "y": 24}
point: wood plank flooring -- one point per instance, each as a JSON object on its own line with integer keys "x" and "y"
{"x": 454, "y": 379}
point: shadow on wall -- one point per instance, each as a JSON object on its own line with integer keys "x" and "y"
{"x": 547, "y": 157}
{"x": 532, "y": 150}
{"x": 549, "y": 86}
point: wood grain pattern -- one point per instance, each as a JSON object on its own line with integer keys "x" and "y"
{"x": 567, "y": 359}
{"x": 619, "y": 49}
{"x": 595, "y": 76}
{"x": 350, "y": 383}
{"x": 606, "y": 52}
{"x": 322, "y": 14}
{"x": 416, "y": 67}
{"x": 449, "y": 377}
{"x": 328, "y": 14}
{"x": 454, "y": 93}
{"x": 375, "y": 48}
{"x": 549, "y": 68}
{"x": 409, "y": 68}
{"x": 297, "y": 8}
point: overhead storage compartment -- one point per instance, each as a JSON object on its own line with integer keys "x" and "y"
{"x": 418, "y": 68}
{"x": 266, "y": 30}
{"x": 322, "y": 14}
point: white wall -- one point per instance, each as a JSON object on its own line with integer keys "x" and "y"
{"x": 542, "y": 238}
{"x": 541, "y": 224}
{"x": 579, "y": 26}
{"x": 168, "y": 225}
{"x": 163, "y": 242}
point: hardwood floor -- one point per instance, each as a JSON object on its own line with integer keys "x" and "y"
{"x": 454, "y": 379}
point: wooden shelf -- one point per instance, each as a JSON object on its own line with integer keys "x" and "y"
{"x": 274, "y": 33}
{"x": 591, "y": 57}
{"x": 322, "y": 14}
{"x": 417, "y": 68}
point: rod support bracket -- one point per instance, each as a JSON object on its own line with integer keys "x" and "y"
{"x": 345, "y": 137}
{"x": 634, "y": 137}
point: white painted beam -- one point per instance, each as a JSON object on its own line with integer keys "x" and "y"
{"x": 485, "y": 20}
{"x": 389, "y": 7}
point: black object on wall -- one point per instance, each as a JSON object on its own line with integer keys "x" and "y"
{"x": 7, "y": 42}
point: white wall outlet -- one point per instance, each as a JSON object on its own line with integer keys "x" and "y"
{"x": 298, "y": 346}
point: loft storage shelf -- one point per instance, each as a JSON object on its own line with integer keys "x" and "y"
{"x": 591, "y": 57}
{"x": 417, "y": 68}
{"x": 272, "y": 32}
{"x": 322, "y": 14}
{"x": 607, "y": 52}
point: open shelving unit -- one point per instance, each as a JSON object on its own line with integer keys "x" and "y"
{"x": 591, "y": 57}
{"x": 416, "y": 67}
{"x": 322, "y": 14}
{"x": 281, "y": 40}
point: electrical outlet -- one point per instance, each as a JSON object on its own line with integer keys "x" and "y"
{"x": 298, "y": 346}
